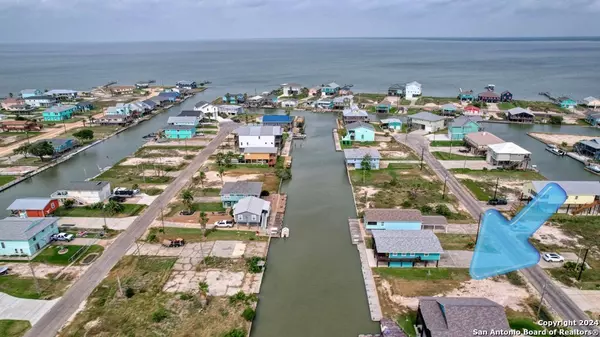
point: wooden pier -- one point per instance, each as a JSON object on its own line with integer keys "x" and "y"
{"x": 549, "y": 96}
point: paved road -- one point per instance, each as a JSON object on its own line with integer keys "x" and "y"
{"x": 554, "y": 296}
{"x": 51, "y": 322}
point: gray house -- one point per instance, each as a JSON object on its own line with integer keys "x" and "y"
{"x": 232, "y": 192}
{"x": 426, "y": 121}
{"x": 252, "y": 211}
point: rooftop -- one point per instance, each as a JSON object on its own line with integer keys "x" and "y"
{"x": 392, "y": 214}
{"x": 593, "y": 143}
{"x": 260, "y": 150}
{"x": 483, "y": 138}
{"x": 17, "y": 229}
{"x": 354, "y": 112}
{"x": 414, "y": 83}
{"x": 87, "y": 185}
{"x": 572, "y": 188}
{"x": 390, "y": 120}
{"x": 61, "y": 92}
{"x": 508, "y": 147}
{"x": 40, "y": 97}
{"x": 395, "y": 87}
{"x": 56, "y": 142}
{"x": 263, "y": 130}
{"x": 252, "y": 205}
{"x": 201, "y": 104}
{"x": 29, "y": 204}
{"x": 517, "y": 111}
{"x": 333, "y": 85}
{"x": 357, "y": 125}
{"x": 190, "y": 113}
{"x": 182, "y": 119}
{"x": 180, "y": 127}
{"x": 464, "y": 120}
{"x": 292, "y": 85}
{"x": 406, "y": 241}
{"x": 449, "y": 107}
{"x": 277, "y": 119}
{"x": 59, "y": 108}
{"x": 361, "y": 153}
{"x": 242, "y": 187}
{"x": 426, "y": 116}
{"x": 230, "y": 107}
{"x": 489, "y": 94}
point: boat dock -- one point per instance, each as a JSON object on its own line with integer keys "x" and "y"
{"x": 578, "y": 157}
{"x": 278, "y": 206}
{"x": 355, "y": 234}
{"x": 336, "y": 140}
{"x": 549, "y": 96}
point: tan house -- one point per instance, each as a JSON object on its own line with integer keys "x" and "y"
{"x": 583, "y": 197}
{"x": 508, "y": 155}
{"x": 591, "y": 102}
{"x": 478, "y": 142}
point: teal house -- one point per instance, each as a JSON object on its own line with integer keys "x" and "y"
{"x": 180, "y": 131}
{"x": 566, "y": 103}
{"x": 25, "y": 236}
{"x": 359, "y": 132}
{"x": 392, "y": 219}
{"x": 232, "y": 192}
{"x": 406, "y": 248}
{"x": 60, "y": 145}
{"x": 466, "y": 96}
{"x": 330, "y": 89}
{"x": 59, "y": 113}
{"x": 391, "y": 123}
{"x": 461, "y": 126}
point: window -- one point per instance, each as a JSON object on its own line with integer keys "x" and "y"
{"x": 412, "y": 254}
{"x": 3, "y": 245}
{"x": 240, "y": 217}
{"x": 21, "y": 251}
{"x": 403, "y": 254}
{"x": 16, "y": 251}
{"x": 253, "y": 217}
{"x": 34, "y": 238}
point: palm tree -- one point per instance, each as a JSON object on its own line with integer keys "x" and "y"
{"x": 228, "y": 157}
{"x": 202, "y": 178}
{"x": 91, "y": 119}
{"x": 219, "y": 159}
{"x": 221, "y": 173}
{"x": 203, "y": 221}
{"x": 187, "y": 197}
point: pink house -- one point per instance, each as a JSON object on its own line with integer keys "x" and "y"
{"x": 314, "y": 91}
{"x": 344, "y": 92}
{"x": 9, "y": 103}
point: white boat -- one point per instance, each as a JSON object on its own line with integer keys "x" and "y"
{"x": 555, "y": 150}
{"x": 595, "y": 169}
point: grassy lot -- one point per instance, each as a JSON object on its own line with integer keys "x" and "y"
{"x": 100, "y": 131}
{"x": 6, "y": 179}
{"x": 163, "y": 314}
{"x": 413, "y": 282}
{"x": 456, "y": 241}
{"x": 165, "y": 151}
{"x": 483, "y": 191}
{"x": 129, "y": 175}
{"x": 509, "y": 174}
{"x": 393, "y": 145}
{"x": 447, "y": 143}
{"x": 24, "y": 287}
{"x": 407, "y": 322}
{"x": 195, "y": 234}
{"x": 50, "y": 254}
{"x": 196, "y": 207}
{"x": 453, "y": 156}
{"x": 368, "y": 97}
{"x": 29, "y": 161}
{"x": 267, "y": 176}
{"x": 412, "y": 111}
{"x": 206, "y": 192}
{"x": 66, "y": 121}
{"x": 436, "y": 100}
{"x": 359, "y": 144}
{"x": 152, "y": 191}
{"x": 590, "y": 278}
{"x": 539, "y": 106}
{"x": 89, "y": 212}
{"x": 12, "y": 328}
{"x": 208, "y": 132}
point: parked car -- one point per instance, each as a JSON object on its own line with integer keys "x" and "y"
{"x": 497, "y": 201}
{"x": 186, "y": 212}
{"x": 553, "y": 257}
{"x": 62, "y": 237}
{"x": 4, "y": 270}
{"x": 224, "y": 223}
{"x": 463, "y": 151}
{"x": 174, "y": 243}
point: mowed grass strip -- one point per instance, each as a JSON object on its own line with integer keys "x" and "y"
{"x": 414, "y": 282}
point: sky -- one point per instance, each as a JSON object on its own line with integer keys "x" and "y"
{"x": 158, "y": 20}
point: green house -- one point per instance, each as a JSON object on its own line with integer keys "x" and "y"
{"x": 392, "y": 123}
{"x": 567, "y": 103}
{"x": 180, "y": 131}
{"x": 59, "y": 113}
{"x": 461, "y": 126}
{"x": 359, "y": 132}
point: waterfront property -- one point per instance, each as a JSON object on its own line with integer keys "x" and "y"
{"x": 506, "y": 96}
{"x": 488, "y": 97}
{"x": 207, "y": 109}
{"x": 122, "y": 89}
{"x": 593, "y": 118}
{"x": 230, "y": 110}
{"x": 354, "y": 114}
{"x": 508, "y": 155}
{"x": 291, "y": 89}
{"x": 186, "y": 85}
{"x": 426, "y": 121}
{"x": 150, "y": 103}
{"x": 583, "y": 197}
{"x": 391, "y": 123}
{"x": 114, "y": 120}
{"x": 179, "y": 131}
{"x": 412, "y": 89}
{"x": 12, "y": 104}
{"x": 26, "y": 236}
{"x": 520, "y": 115}
{"x": 591, "y": 102}
{"x": 40, "y": 101}
{"x": 60, "y": 145}
{"x": 170, "y": 97}
{"x": 478, "y": 142}
{"x": 26, "y": 93}
{"x": 314, "y": 91}
{"x": 589, "y": 148}
{"x": 383, "y": 107}
{"x": 120, "y": 109}
{"x": 392, "y": 219}
{"x": 278, "y": 120}
{"x": 459, "y": 316}
{"x": 395, "y": 90}
{"x": 449, "y": 109}
{"x": 462, "y": 126}
{"x": 359, "y": 132}
{"x": 183, "y": 120}
{"x": 466, "y": 96}
{"x": 191, "y": 113}
{"x": 355, "y": 158}
{"x": 62, "y": 94}
{"x": 566, "y": 103}
{"x": 232, "y": 192}
{"x": 324, "y": 104}
{"x": 470, "y": 110}
{"x": 33, "y": 207}
{"x": 59, "y": 113}
{"x": 406, "y": 248}
{"x": 260, "y": 155}
{"x": 136, "y": 108}
{"x": 252, "y": 211}
{"x": 342, "y": 102}
{"x": 330, "y": 89}
{"x": 84, "y": 106}
{"x": 289, "y": 103}
{"x": 85, "y": 192}
{"x": 258, "y": 137}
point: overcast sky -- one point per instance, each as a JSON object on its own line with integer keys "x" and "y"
{"x": 142, "y": 20}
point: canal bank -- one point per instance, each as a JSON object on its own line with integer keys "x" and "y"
{"x": 86, "y": 164}
{"x": 313, "y": 284}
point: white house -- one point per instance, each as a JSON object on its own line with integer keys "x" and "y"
{"x": 591, "y": 102}
{"x": 289, "y": 103}
{"x": 40, "y": 101}
{"x": 291, "y": 89}
{"x": 85, "y": 192}
{"x": 412, "y": 89}
{"x": 62, "y": 94}
{"x": 508, "y": 155}
{"x": 426, "y": 121}
{"x": 252, "y": 211}
{"x": 230, "y": 110}
{"x": 258, "y": 136}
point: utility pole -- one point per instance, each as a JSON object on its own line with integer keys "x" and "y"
{"x": 35, "y": 280}
{"x": 478, "y": 226}
{"x": 162, "y": 218}
{"x": 445, "y": 181}
{"x": 119, "y": 283}
{"x": 422, "y": 154}
{"x": 583, "y": 264}
{"x": 64, "y": 125}
{"x": 496, "y": 189}
{"x": 542, "y": 300}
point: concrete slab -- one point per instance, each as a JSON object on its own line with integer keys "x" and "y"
{"x": 225, "y": 248}
{"x": 456, "y": 259}
{"x": 569, "y": 257}
{"x": 470, "y": 164}
{"x": 23, "y": 309}
{"x": 255, "y": 248}
{"x": 97, "y": 223}
{"x": 371, "y": 258}
{"x": 438, "y": 137}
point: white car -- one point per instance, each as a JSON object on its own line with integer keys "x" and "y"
{"x": 553, "y": 257}
{"x": 62, "y": 237}
{"x": 224, "y": 224}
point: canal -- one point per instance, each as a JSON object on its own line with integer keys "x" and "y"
{"x": 85, "y": 164}
{"x": 551, "y": 166}
{"x": 313, "y": 284}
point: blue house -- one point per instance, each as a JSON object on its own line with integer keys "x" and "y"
{"x": 234, "y": 98}
{"x": 180, "y": 131}
{"x": 184, "y": 120}
{"x": 566, "y": 103}
{"x": 60, "y": 145}
{"x": 395, "y": 90}
{"x": 84, "y": 106}
{"x": 26, "y": 93}
{"x": 330, "y": 89}
{"x": 324, "y": 104}
{"x": 355, "y": 157}
{"x": 25, "y": 236}
{"x": 589, "y": 148}
{"x": 232, "y": 192}
{"x": 461, "y": 126}
{"x": 406, "y": 248}
{"x": 278, "y": 120}
{"x": 393, "y": 219}
{"x": 449, "y": 109}
{"x": 593, "y": 118}
{"x": 120, "y": 110}
{"x": 359, "y": 132}
{"x": 59, "y": 113}
{"x": 466, "y": 96}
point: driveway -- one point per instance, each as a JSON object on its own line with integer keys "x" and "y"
{"x": 462, "y": 259}
{"x": 97, "y": 223}
{"x": 23, "y": 309}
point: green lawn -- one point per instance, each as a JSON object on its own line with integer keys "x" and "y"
{"x": 6, "y": 179}
{"x": 165, "y": 151}
{"x": 407, "y": 322}
{"x": 506, "y": 106}
{"x": 129, "y": 175}
{"x": 456, "y": 241}
{"x": 12, "y": 328}
{"x": 50, "y": 254}
{"x": 152, "y": 191}
{"x": 444, "y": 143}
{"x": 24, "y": 287}
{"x": 514, "y": 174}
{"x": 479, "y": 189}
{"x": 524, "y": 323}
{"x": 415, "y": 282}
{"x": 424, "y": 274}
{"x": 436, "y": 100}
{"x": 88, "y": 212}
{"x": 66, "y": 121}
{"x": 453, "y": 156}
{"x": 196, "y": 207}
{"x": 195, "y": 234}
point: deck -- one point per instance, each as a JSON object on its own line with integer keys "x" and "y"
{"x": 336, "y": 140}
{"x": 278, "y": 206}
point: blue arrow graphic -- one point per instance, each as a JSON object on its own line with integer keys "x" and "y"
{"x": 503, "y": 246}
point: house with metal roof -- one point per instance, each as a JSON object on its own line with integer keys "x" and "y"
{"x": 462, "y": 126}
{"x": 291, "y": 89}
{"x": 260, "y": 155}
{"x": 459, "y": 316}
{"x": 589, "y": 148}
{"x": 583, "y": 197}
{"x": 59, "y": 113}
{"x": 395, "y": 90}
{"x": 392, "y": 219}
{"x": 62, "y": 94}
{"x": 186, "y": 84}
{"x": 466, "y": 95}
{"x": 252, "y": 211}
{"x": 354, "y": 114}
{"x": 42, "y": 101}
{"x": 114, "y": 120}
{"x": 84, "y": 192}
{"x": 591, "y": 102}
{"x": 412, "y": 89}
{"x": 488, "y": 97}
{"x": 355, "y": 157}
{"x": 426, "y": 121}
{"x": 358, "y": 132}
{"x": 566, "y": 102}
{"x": 383, "y": 107}
{"x": 478, "y": 142}
{"x": 119, "y": 109}
{"x": 278, "y": 120}
{"x": 406, "y": 248}
{"x": 471, "y": 110}
{"x": 508, "y": 155}
{"x": 179, "y": 131}
{"x": 60, "y": 145}
{"x": 330, "y": 89}
{"x": 520, "y": 115}
{"x": 251, "y": 136}
{"x": 232, "y": 192}
{"x": 449, "y": 109}
{"x": 25, "y": 236}
{"x": 593, "y": 118}
{"x": 183, "y": 120}
{"x": 33, "y": 207}
{"x": 26, "y": 93}
{"x": 230, "y": 110}
{"x": 391, "y": 123}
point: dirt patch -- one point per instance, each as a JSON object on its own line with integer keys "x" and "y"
{"x": 212, "y": 178}
{"x": 554, "y": 235}
{"x": 170, "y": 161}
{"x": 393, "y": 154}
{"x": 558, "y": 139}
{"x": 499, "y": 291}
{"x": 43, "y": 270}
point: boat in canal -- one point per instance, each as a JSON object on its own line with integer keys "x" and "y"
{"x": 593, "y": 168}
{"x": 555, "y": 150}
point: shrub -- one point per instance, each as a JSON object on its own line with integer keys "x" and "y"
{"x": 426, "y": 209}
{"x": 152, "y": 238}
{"x": 159, "y": 315}
{"x": 188, "y": 157}
{"x": 442, "y": 209}
{"x": 235, "y": 333}
{"x": 253, "y": 266}
{"x": 264, "y": 193}
{"x": 186, "y": 297}
{"x": 406, "y": 204}
{"x": 129, "y": 292}
{"x": 69, "y": 203}
{"x": 249, "y": 314}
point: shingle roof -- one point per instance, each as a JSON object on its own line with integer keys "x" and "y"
{"x": 242, "y": 187}
{"x": 182, "y": 119}
{"x": 361, "y": 153}
{"x": 389, "y": 328}
{"x": 572, "y": 188}
{"x": 517, "y": 111}
{"x": 87, "y": 185}
{"x": 453, "y": 317}
{"x": 264, "y": 130}
{"x": 449, "y": 107}
{"x": 357, "y": 125}
{"x": 395, "y": 87}
{"x": 508, "y": 147}
{"x": 252, "y": 205}
{"x": 277, "y": 119}
{"x": 392, "y": 214}
{"x": 201, "y": 104}
{"x": 260, "y": 150}
{"x": 17, "y": 229}
{"x": 464, "y": 120}
{"x": 406, "y": 241}
{"x": 426, "y": 116}
{"x": 390, "y": 120}
{"x": 190, "y": 113}
{"x": 180, "y": 127}
{"x": 29, "y": 204}
{"x": 483, "y": 138}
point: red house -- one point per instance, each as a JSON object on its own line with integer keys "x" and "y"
{"x": 33, "y": 207}
{"x": 472, "y": 110}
